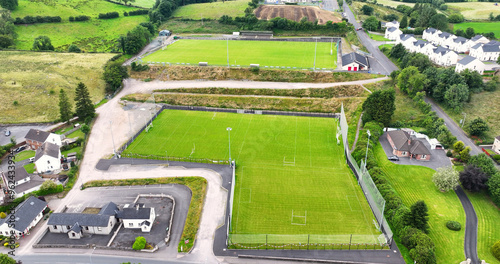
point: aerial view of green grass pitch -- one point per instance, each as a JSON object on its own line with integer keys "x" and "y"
{"x": 283, "y": 164}
{"x": 244, "y": 53}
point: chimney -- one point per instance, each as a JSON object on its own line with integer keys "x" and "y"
{"x": 409, "y": 142}
{"x": 137, "y": 207}
{"x": 38, "y": 132}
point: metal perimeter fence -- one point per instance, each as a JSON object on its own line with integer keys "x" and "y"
{"x": 306, "y": 242}
{"x": 372, "y": 194}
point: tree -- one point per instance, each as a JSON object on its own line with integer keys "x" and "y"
{"x": 473, "y": 178}
{"x": 469, "y": 32}
{"x": 411, "y": 81}
{"x": 420, "y": 216}
{"x": 493, "y": 84}
{"x": 9, "y": 4}
{"x": 465, "y": 154}
{"x": 85, "y": 129}
{"x": 6, "y": 259}
{"x": 64, "y": 107}
{"x": 48, "y": 185}
{"x": 74, "y": 48}
{"x": 136, "y": 39}
{"x": 446, "y": 179}
{"x": 6, "y": 41}
{"x": 3, "y": 215}
{"x": 460, "y": 33}
{"x": 477, "y": 127}
{"x": 458, "y": 146}
{"x": 42, "y": 43}
{"x": 494, "y": 188}
{"x": 456, "y": 18}
{"x": 422, "y": 254}
{"x": 371, "y": 23}
{"x": 84, "y": 107}
{"x": 439, "y": 21}
{"x": 113, "y": 75}
{"x": 404, "y": 22}
{"x": 484, "y": 162}
{"x": 398, "y": 51}
{"x": 474, "y": 80}
{"x": 380, "y": 106}
{"x": 140, "y": 243}
{"x": 456, "y": 95}
{"x": 367, "y": 10}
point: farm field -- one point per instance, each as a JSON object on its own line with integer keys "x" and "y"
{"x": 284, "y": 163}
{"x": 95, "y": 35}
{"x": 212, "y": 10}
{"x": 488, "y": 216}
{"x": 476, "y": 10}
{"x": 296, "y": 13}
{"x": 144, "y": 3}
{"x": 34, "y": 79}
{"x": 394, "y": 3}
{"x": 379, "y": 11}
{"x": 414, "y": 183}
{"x": 481, "y": 27}
{"x": 265, "y": 53}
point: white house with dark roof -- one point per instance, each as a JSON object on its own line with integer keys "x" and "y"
{"x": 496, "y": 145}
{"x": 392, "y": 33}
{"x": 478, "y": 39}
{"x": 431, "y": 35}
{"x": 48, "y": 157}
{"x": 355, "y": 62}
{"x": 486, "y": 52}
{"x": 427, "y": 49}
{"x": 77, "y": 225}
{"x": 137, "y": 217}
{"x": 444, "y": 57}
{"x": 406, "y": 40}
{"x": 460, "y": 44}
{"x": 26, "y": 216}
{"x": 393, "y": 23}
{"x": 444, "y": 38}
{"x": 35, "y": 138}
{"x": 22, "y": 183}
{"x": 418, "y": 46}
{"x": 471, "y": 63}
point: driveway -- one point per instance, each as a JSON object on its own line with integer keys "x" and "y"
{"x": 438, "y": 158}
{"x": 18, "y": 132}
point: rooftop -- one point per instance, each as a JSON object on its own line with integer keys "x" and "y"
{"x": 466, "y": 60}
{"x": 25, "y": 213}
{"x": 354, "y": 57}
{"x": 37, "y": 135}
{"x": 47, "y": 149}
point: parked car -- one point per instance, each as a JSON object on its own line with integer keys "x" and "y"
{"x": 358, "y": 29}
{"x": 21, "y": 148}
{"x": 393, "y": 158}
{"x": 7, "y": 133}
{"x": 32, "y": 159}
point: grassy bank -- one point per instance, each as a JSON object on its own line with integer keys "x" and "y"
{"x": 259, "y": 103}
{"x": 34, "y": 79}
{"x": 198, "y": 188}
{"x": 172, "y": 73}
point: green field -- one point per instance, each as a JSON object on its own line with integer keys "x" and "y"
{"x": 283, "y": 163}
{"x": 414, "y": 183}
{"x": 212, "y": 10}
{"x": 265, "y": 53}
{"x": 475, "y": 10}
{"x": 480, "y": 27}
{"x": 378, "y": 37}
{"x": 95, "y": 35}
{"x": 144, "y": 3}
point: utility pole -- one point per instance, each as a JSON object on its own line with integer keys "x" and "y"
{"x": 227, "y": 51}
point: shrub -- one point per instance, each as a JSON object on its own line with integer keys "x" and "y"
{"x": 496, "y": 157}
{"x": 71, "y": 19}
{"x": 453, "y": 225}
{"x": 108, "y": 15}
{"x": 15, "y": 103}
{"x": 3, "y": 215}
{"x": 74, "y": 48}
{"x": 449, "y": 154}
{"x": 495, "y": 249}
{"x": 140, "y": 243}
{"x": 82, "y": 18}
{"x": 138, "y": 12}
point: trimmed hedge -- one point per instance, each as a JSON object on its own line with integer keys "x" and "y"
{"x": 136, "y": 12}
{"x": 108, "y": 15}
{"x": 79, "y": 18}
{"x": 453, "y": 225}
{"x": 37, "y": 19}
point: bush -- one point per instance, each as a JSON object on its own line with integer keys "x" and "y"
{"x": 449, "y": 154}
{"x": 496, "y": 157}
{"x": 138, "y": 12}
{"x": 453, "y": 225}
{"x": 108, "y": 15}
{"x": 74, "y": 48}
{"x": 82, "y": 18}
{"x": 3, "y": 215}
{"x": 140, "y": 243}
{"x": 139, "y": 67}
{"x": 495, "y": 249}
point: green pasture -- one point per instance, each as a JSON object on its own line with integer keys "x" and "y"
{"x": 284, "y": 164}
{"x": 212, "y": 10}
{"x": 475, "y": 10}
{"x": 414, "y": 183}
{"x": 480, "y": 27}
{"x": 144, "y": 3}
{"x": 265, "y": 53}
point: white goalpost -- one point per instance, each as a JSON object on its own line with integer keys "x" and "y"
{"x": 193, "y": 150}
{"x": 288, "y": 163}
{"x": 299, "y": 219}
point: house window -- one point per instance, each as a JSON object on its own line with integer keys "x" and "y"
{"x": 55, "y": 227}
{"x": 69, "y": 227}
{"x": 131, "y": 224}
{"x": 403, "y": 153}
{"x": 72, "y": 234}
{"x": 423, "y": 156}
{"x": 86, "y": 228}
{"x": 99, "y": 229}
{"x": 48, "y": 161}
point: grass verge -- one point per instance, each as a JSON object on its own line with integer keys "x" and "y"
{"x": 198, "y": 188}
{"x": 378, "y": 37}
{"x": 30, "y": 168}
{"x": 24, "y": 155}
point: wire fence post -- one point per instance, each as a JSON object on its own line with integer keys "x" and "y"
{"x": 308, "y": 236}
{"x": 350, "y": 240}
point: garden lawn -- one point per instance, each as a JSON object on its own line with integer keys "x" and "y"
{"x": 378, "y": 37}
{"x": 35, "y": 78}
{"x": 265, "y": 53}
{"x": 414, "y": 183}
{"x": 78, "y": 150}
{"x": 284, "y": 163}
{"x": 212, "y": 10}
{"x": 476, "y": 10}
{"x": 24, "y": 155}
{"x": 488, "y": 215}
{"x": 481, "y": 27}
{"x": 76, "y": 134}
{"x": 30, "y": 168}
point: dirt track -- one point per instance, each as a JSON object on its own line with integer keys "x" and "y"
{"x": 295, "y": 13}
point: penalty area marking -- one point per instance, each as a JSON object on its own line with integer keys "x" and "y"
{"x": 288, "y": 163}
{"x": 302, "y": 217}
{"x": 246, "y": 195}
{"x": 213, "y": 117}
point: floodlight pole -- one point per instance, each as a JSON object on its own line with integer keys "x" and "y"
{"x": 166, "y": 156}
{"x": 367, "y": 144}
{"x": 463, "y": 122}
{"x": 112, "y": 138}
{"x": 229, "y": 138}
{"x": 331, "y": 46}
{"x": 227, "y": 51}
{"x": 315, "y": 48}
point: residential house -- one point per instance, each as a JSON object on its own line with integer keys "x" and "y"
{"x": 403, "y": 145}
{"x": 22, "y": 183}
{"x": 406, "y": 40}
{"x": 47, "y": 157}
{"x": 418, "y": 46}
{"x": 35, "y": 138}
{"x": 77, "y": 225}
{"x": 137, "y": 217}
{"x": 26, "y": 215}
{"x": 460, "y": 45}
{"x": 427, "y": 49}
{"x": 486, "y": 52}
{"x": 444, "y": 57}
{"x": 355, "y": 62}
{"x": 393, "y": 23}
{"x": 392, "y": 33}
{"x": 479, "y": 39}
{"x": 431, "y": 35}
{"x": 496, "y": 145}
{"x": 444, "y": 38}
{"x": 470, "y": 63}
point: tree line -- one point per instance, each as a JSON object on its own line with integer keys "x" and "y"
{"x": 7, "y": 30}
{"x": 163, "y": 9}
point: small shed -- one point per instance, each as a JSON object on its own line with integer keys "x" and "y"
{"x": 165, "y": 33}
